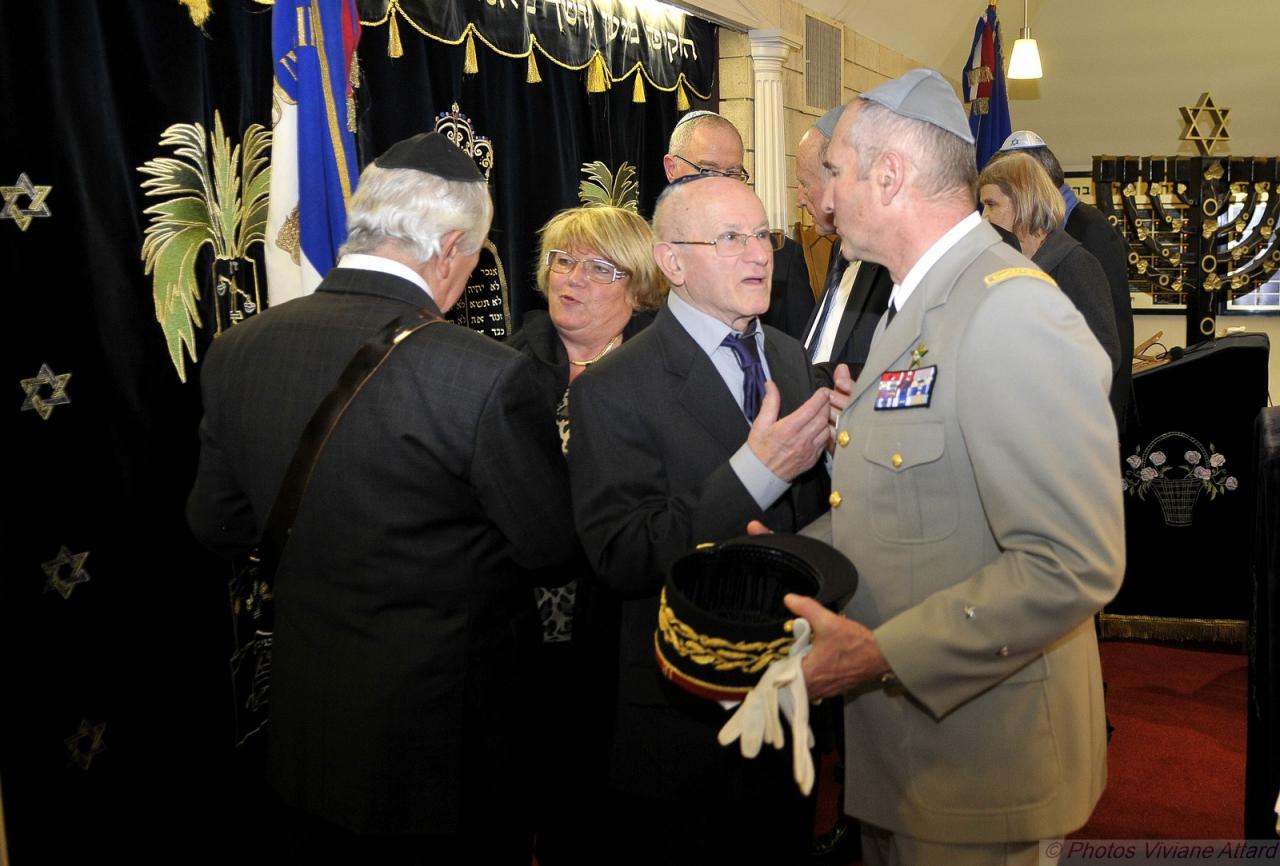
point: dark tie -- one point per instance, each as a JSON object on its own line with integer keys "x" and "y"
{"x": 834, "y": 275}
{"x": 744, "y": 349}
{"x": 889, "y": 314}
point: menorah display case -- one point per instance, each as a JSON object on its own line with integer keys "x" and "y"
{"x": 1200, "y": 232}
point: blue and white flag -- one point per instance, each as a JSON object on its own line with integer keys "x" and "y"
{"x": 984, "y": 89}
{"x": 313, "y": 152}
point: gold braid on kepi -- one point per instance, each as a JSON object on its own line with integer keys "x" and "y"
{"x": 721, "y": 620}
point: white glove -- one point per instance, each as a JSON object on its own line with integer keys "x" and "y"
{"x": 757, "y": 721}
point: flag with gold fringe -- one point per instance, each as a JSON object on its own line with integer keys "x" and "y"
{"x": 313, "y": 156}
{"x": 984, "y": 88}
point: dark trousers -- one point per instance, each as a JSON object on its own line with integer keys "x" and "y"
{"x": 313, "y": 841}
{"x": 762, "y": 831}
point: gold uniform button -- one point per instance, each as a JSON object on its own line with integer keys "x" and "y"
{"x": 896, "y": 460}
{"x": 835, "y": 499}
{"x": 843, "y": 439}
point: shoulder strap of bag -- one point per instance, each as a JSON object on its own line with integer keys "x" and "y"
{"x": 359, "y": 371}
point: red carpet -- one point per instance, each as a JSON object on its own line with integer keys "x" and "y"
{"x": 1176, "y": 760}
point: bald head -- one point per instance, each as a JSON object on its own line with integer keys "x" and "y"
{"x": 714, "y": 247}
{"x": 812, "y": 178}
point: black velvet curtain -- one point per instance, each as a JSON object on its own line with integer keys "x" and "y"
{"x": 116, "y": 720}
{"x": 116, "y": 736}
{"x": 541, "y": 133}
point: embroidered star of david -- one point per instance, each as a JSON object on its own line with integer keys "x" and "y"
{"x": 43, "y": 405}
{"x": 85, "y": 743}
{"x": 75, "y": 571}
{"x": 36, "y": 207}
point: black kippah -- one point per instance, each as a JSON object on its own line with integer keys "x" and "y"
{"x": 433, "y": 153}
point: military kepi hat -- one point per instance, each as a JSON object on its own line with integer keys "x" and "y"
{"x": 433, "y": 153}
{"x": 923, "y": 94}
{"x": 721, "y": 620}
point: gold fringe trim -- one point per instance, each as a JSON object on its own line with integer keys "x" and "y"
{"x": 389, "y": 19}
{"x": 470, "y": 66}
{"x": 199, "y": 10}
{"x": 682, "y": 98}
{"x": 637, "y": 92}
{"x": 533, "y": 76}
{"x": 394, "y": 48}
{"x": 354, "y": 74}
{"x": 979, "y": 74}
{"x": 1229, "y": 631}
{"x": 597, "y": 75}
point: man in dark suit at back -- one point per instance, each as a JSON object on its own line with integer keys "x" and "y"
{"x": 703, "y": 142}
{"x": 855, "y": 293}
{"x": 703, "y": 422}
{"x": 1086, "y": 224}
{"x": 403, "y": 626}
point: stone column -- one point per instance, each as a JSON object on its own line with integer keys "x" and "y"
{"x": 769, "y": 48}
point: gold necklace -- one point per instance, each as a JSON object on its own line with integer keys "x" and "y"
{"x": 607, "y": 348}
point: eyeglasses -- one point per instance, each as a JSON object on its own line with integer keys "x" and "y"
{"x": 732, "y": 244}
{"x": 596, "y": 270}
{"x": 735, "y": 173}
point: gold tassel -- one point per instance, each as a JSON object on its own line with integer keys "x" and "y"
{"x": 682, "y": 98}
{"x": 1143, "y": 627}
{"x": 597, "y": 77}
{"x": 532, "y": 77}
{"x": 351, "y": 92}
{"x": 469, "y": 65}
{"x": 394, "y": 48}
{"x": 198, "y": 10}
{"x": 637, "y": 92}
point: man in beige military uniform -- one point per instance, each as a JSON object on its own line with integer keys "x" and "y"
{"x": 976, "y": 488}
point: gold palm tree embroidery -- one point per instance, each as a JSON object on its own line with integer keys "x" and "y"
{"x": 223, "y": 204}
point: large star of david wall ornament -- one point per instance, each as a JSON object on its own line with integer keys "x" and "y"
{"x": 43, "y": 405}
{"x": 36, "y": 207}
{"x": 85, "y": 743}
{"x": 75, "y": 571}
{"x": 1216, "y": 118}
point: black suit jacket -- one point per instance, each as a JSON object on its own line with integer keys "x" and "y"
{"x": 1081, "y": 279}
{"x": 654, "y": 427}
{"x": 790, "y": 295}
{"x": 868, "y": 299}
{"x": 402, "y": 627}
{"x": 1090, "y": 227}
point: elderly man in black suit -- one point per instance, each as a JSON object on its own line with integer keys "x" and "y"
{"x": 696, "y": 426}
{"x": 703, "y": 142}
{"x": 855, "y": 293}
{"x": 403, "y": 625}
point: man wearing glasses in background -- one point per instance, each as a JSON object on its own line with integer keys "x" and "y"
{"x": 701, "y": 423}
{"x": 704, "y": 142}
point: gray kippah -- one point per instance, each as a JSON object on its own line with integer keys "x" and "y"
{"x": 827, "y": 123}
{"x": 923, "y": 94}
{"x": 432, "y": 153}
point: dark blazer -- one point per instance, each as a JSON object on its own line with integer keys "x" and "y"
{"x": 403, "y": 630}
{"x": 1090, "y": 227}
{"x": 868, "y": 299}
{"x": 539, "y": 339}
{"x": 790, "y": 295}
{"x": 1081, "y": 279}
{"x": 653, "y": 430}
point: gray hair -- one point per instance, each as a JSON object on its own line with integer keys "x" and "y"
{"x": 413, "y": 211}
{"x": 685, "y": 128}
{"x": 946, "y": 162}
